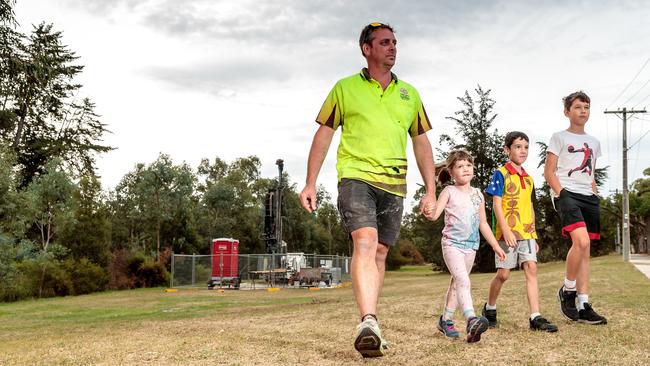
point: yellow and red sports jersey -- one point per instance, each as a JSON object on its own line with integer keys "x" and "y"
{"x": 516, "y": 192}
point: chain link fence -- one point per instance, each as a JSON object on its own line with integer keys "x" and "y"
{"x": 252, "y": 271}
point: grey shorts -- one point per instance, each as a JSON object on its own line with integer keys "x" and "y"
{"x": 362, "y": 205}
{"x": 525, "y": 251}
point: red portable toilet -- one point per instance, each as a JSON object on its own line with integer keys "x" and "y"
{"x": 225, "y": 264}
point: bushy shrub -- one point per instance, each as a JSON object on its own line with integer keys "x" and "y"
{"x": 132, "y": 270}
{"x": 395, "y": 260}
{"x": 11, "y": 283}
{"x": 86, "y": 276}
{"x": 410, "y": 252}
{"x": 151, "y": 274}
{"x": 44, "y": 278}
{"x": 118, "y": 271}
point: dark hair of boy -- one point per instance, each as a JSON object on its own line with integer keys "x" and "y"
{"x": 512, "y": 136}
{"x": 569, "y": 99}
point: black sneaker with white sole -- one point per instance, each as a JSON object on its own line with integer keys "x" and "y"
{"x": 590, "y": 316}
{"x": 567, "y": 301}
{"x": 490, "y": 315}
{"x": 540, "y": 323}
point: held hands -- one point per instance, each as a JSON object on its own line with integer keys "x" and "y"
{"x": 428, "y": 206}
{"x": 308, "y": 198}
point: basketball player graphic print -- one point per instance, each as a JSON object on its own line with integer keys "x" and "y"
{"x": 586, "y": 165}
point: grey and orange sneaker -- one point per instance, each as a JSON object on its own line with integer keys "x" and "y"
{"x": 447, "y": 328}
{"x": 369, "y": 341}
{"x": 476, "y": 325}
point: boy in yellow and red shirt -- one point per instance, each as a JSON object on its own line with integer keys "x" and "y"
{"x": 512, "y": 190}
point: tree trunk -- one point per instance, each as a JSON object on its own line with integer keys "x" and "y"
{"x": 21, "y": 125}
{"x": 40, "y": 287}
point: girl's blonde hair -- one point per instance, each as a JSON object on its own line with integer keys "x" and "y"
{"x": 444, "y": 174}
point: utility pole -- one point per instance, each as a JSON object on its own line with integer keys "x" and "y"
{"x": 626, "y": 201}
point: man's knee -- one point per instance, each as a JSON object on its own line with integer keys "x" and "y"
{"x": 365, "y": 241}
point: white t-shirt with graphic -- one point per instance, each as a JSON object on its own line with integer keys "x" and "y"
{"x": 576, "y": 163}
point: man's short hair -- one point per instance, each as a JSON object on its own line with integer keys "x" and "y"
{"x": 514, "y": 135}
{"x": 367, "y": 33}
{"x": 569, "y": 99}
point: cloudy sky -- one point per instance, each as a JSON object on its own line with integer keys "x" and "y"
{"x": 204, "y": 78}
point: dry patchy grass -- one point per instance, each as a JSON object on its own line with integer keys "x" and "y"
{"x": 200, "y": 327}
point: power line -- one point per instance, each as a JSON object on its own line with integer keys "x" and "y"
{"x": 637, "y": 141}
{"x": 637, "y": 92}
{"x": 630, "y": 83}
{"x": 642, "y": 100}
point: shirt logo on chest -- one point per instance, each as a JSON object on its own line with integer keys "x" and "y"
{"x": 404, "y": 94}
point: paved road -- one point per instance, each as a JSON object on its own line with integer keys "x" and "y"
{"x": 642, "y": 263}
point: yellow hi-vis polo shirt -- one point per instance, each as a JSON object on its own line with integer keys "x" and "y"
{"x": 516, "y": 192}
{"x": 374, "y": 124}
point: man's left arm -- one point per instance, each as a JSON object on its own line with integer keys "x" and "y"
{"x": 426, "y": 165}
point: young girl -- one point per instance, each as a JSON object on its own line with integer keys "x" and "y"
{"x": 464, "y": 217}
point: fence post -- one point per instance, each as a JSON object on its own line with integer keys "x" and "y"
{"x": 171, "y": 279}
{"x": 193, "y": 270}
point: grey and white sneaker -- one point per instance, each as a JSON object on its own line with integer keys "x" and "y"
{"x": 369, "y": 341}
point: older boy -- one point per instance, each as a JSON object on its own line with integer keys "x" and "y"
{"x": 511, "y": 189}
{"x": 569, "y": 170}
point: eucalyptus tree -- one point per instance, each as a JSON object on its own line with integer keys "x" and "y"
{"x": 41, "y": 113}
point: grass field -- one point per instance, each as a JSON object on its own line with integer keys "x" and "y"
{"x": 297, "y": 326}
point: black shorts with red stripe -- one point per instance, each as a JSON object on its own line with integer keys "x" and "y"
{"x": 579, "y": 210}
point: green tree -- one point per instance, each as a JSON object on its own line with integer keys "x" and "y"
{"x": 88, "y": 235}
{"x": 12, "y": 222}
{"x": 157, "y": 202}
{"x": 48, "y": 207}
{"x": 473, "y": 127}
{"x": 7, "y": 15}
{"x": 640, "y": 212}
{"x": 231, "y": 204}
{"x": 127, "y": 223}
{"x": 40, "y": 115}
{"x": 48, "y": 202}
{"x": 327, "y": 217}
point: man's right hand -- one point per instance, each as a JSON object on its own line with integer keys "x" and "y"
{"x": 308, "y": 198}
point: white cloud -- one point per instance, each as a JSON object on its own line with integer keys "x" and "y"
{"x": 205, "y": 78}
